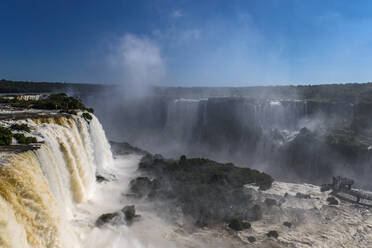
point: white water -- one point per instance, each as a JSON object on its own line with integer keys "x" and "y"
{"x": 50, "y": 198}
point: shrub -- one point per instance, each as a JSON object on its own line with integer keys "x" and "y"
{"x": 72, "y": 112}
{"x": 22, "y": 104}
{"x": 20, "y": 127}
{"x": 59, "y": 101}
{"x": 23, "y": 139}
{"x": 90, "y": 110}
{"x": 5, "y": 136}
{"x": 87, "y": 116}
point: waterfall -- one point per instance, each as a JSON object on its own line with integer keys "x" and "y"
{"x": 40, "y": 188}
{"x": 182, "y": 118}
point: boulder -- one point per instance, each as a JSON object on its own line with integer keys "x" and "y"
{"x": 101, "y": 179}
{"x": 251, "y": 239}
{"x": 129, "y": 212}
{"x": 287, "y": 224}
{"x": 111, "y": 218}
{"x": 303, "y": 196}
{"x": 143, "y": 185}
{"x": 125, "y": 216}
{"x": 239, "y": 225}
{"x": 273, "y": 234}
{"x": 270, "y": 202}
{"x": 332, "y": 201}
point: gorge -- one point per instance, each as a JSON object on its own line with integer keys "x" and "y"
{"x": 59, "y": 175}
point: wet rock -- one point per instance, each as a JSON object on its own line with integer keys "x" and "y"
{"x": 325, "y": 187}
{"x": 208, "y": 191}
{"x": 273, "y": 234}
{"x": 143, "y": 186}
{"x": 332, "y": 201}
{"x": 124, "y": 148}
{"x": 239, "y": 225}
{"x": 270, "y": 202}
{"x": 201, "y": 223}
{"x": 111, "y": 218}
{"x": 101, "y": 179}
{"x": 125, "y": 216}
{"x": 287, "y": 224}
{"x": 129, "y": 212}
{"x": 256, "y": 212}
{"x": 251, "y": 239}
{"x": 303, "y": 196}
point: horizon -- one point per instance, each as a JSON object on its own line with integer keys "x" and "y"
{"x": 187, "y": 43}
{"x": 190, "y": 86}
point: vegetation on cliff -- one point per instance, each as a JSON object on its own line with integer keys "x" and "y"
{"x": 59, "y": 101}
{"x": 20, "y": 127}
{"x": 5, "y": 136}
{"x": 206, "y": 190}
{"x": 22, "y": 139}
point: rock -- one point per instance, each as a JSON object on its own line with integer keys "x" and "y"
{"x": 270, "y": 202}
{"x": 207, "y": 191}
{"x": 129, "y": 212}
{"x": 256, "y": 212}
{"x": 112, "y": 218}
{"x": 101, "y": 179}
{"x": 251, "y": 239}
{"x": 239, "y": 225}
{"x": 287, "y": 224}
{"x": 125, "y": 216}
{"x": 303, "y": 196}
{"x": 332, "y": 201}
{"x": 273, "y": 234}
{"x": 182, "y": 160}
{"x": 325, "y": 187}
{"x": 201, "y": 223}
{"x": 143, "y": 185}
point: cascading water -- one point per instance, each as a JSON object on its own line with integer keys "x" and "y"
{"x": 40, "y": 189}
{"x": 182, "y": 118}
{"x": 49, "y": 197}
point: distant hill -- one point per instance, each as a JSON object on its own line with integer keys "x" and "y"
{"x": 349, "y": 92}
{"x": 7, "y": 86}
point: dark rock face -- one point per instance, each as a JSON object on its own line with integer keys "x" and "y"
{"x": 208, "y": 191}
{"x": 287, "y": 224}
{"x": 332, "y": 201}
{"x": 101, "y": 179}
{"x": 270, "y": 202}
{"x": 112, "y": 218}
{"x": 129, "y": 213}
{"x": 303, "y": 196}
{"x": 125, "y": 216}
{"x": 239, "y": 225}
{"x": 273, "y": 234}
{"x": 143, "y": 186}
{"x": 124, "y": 148}
{"x": 251, "y": 239}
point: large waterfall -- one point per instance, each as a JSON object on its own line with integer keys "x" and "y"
{"x": 40, "y": 189}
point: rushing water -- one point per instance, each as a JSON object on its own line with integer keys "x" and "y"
{"x": 49, "y": 197}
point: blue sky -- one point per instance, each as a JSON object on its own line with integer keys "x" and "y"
{"x": 187, "y": 43}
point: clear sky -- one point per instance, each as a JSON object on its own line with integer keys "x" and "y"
{"x": 187, "y": 43}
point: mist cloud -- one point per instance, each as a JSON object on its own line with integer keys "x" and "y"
{"x": 140, "y": 61}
